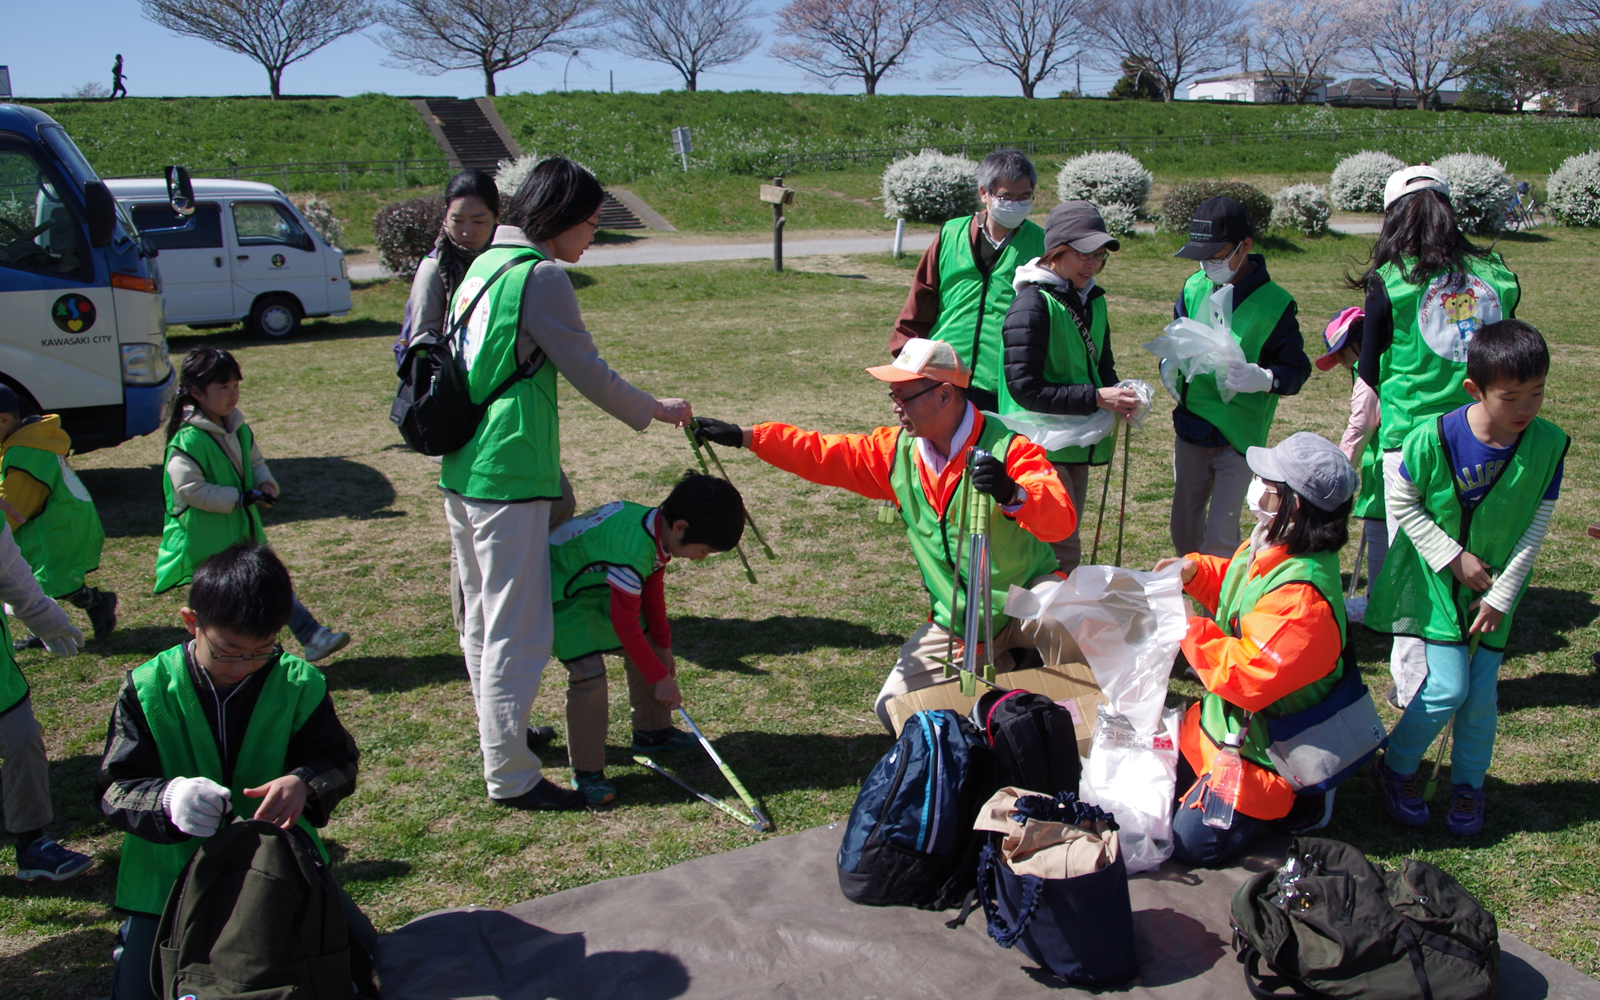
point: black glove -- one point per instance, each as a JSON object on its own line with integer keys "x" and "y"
{"x": 249, "y": 497}
{"x": 718, "y": 432}
{"x": 989, "y": 476}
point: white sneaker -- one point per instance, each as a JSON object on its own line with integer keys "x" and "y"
{"x": 1355, "y": 609}
{"x": 325, "y": 643}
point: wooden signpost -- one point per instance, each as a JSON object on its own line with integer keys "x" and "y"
{"x": 776, "y": 195}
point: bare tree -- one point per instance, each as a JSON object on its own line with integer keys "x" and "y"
{"x": 1425, "y": 44}
{"x": 691, "y": 36}
{"x": 1030, "y": 39}
{"x": 1299, "y": 41}
{"x": 860, "y": 39}
{"x": 492, "y": 36}
{"x": 1171, "y": 40}
{"x": 275, "y": 33}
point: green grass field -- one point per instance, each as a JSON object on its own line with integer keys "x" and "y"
{"x": 780, "y": 674}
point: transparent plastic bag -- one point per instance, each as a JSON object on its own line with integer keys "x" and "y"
{"x": 1134, "y": 777}
{"x": 1199, "y": 348}
{"x": 1052, "y": 431}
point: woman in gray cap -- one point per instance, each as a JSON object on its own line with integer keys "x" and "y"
{"x": 1058, "y": 347}
{"x": 1273, "y": 649}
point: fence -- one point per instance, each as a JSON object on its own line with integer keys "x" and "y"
{"x": 344, "y": 173}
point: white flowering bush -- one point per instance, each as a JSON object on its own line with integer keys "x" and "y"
{"x": 319, "y": 213}
{"x": 1105, "y": 179}
{"x": 930, "y": 187}
{"x": 1304, "y": 207}
{"x": 1118, "y": 217}
{"x": 1573, "y": 194}
{"x": 512, "y": 171}
{"x": 1480, "y": 190}
{"x": 1358, "y": 179}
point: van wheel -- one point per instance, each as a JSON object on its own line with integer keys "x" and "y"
{"x": 275, "y": 316}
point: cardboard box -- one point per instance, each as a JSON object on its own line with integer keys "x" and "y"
{"x": 1071, "y": 685}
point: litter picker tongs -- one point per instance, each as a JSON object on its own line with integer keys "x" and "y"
{"x": 700, "y": 453}
{"x": 977, "y": 660}
{"x": 755, "y": 819}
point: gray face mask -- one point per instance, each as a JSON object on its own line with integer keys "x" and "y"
{"x": 1220, "y": 272}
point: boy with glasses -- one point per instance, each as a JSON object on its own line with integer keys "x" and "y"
{"x": 205, "y": 728}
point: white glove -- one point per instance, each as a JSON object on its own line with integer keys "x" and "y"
{"x": 1246, "y": 377}
{"x": 195, "y": 805}
{"x": 65, "y": 642}
{"x": 1170, "y": 375}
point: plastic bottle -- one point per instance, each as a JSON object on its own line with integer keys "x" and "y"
{"x": 1224, "y": 791}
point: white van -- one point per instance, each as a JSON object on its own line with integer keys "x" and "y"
{"x": 249, "y": 255}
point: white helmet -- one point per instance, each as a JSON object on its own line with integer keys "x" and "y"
{"x": 1408, "y": 179}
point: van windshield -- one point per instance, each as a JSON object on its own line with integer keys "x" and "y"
{"x": 67, "y": 152}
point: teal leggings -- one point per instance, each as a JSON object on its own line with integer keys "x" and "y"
{"x": 1453, "y": 687}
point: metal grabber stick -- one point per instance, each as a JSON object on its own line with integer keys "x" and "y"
{"x": 695, "y": 446}
{"x": 1105, "y": 490}
{"x": 977, "y": 663}
{"x": 1355, "y": 572}
{"x": 727, "y": 772}
{"x": 1122, "y": 505}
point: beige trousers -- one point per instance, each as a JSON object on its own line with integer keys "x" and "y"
{"x": 588, "y": 709}
{"x": 1075, "y": 477}
{"x": 24, "y": 771}
{"x": 561, "y": 512}
{"x": 1208, "y": 493}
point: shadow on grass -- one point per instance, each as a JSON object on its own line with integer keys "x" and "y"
{"x": 312, "y": 331}
{"x": 392, "y": 674}
{"x": 74, "y": 964}
{"x": 128, "y": 500}
{"x": 143, "y": 640}
{"x": 728, "y": 643}
{"x": 766, "y": 763}
{"x": 491, "y": 953}
{"x": 1549, "y": 689}
{"x": 1545, "y": 615}
{"x": 1538, "y": 807}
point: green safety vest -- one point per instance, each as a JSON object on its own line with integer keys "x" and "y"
{"x": 188, "y": 749}
{"x": 1369, "y": 499}
{"x": 1068, "y": 362}
{"x": 13, "y": 686}
{"x": 1420, "y": 374}
{"x": 515, "y": 455}
{"x": 62, "y": 542}
{"x": 1245, "y": 419}
{"x": 192, "y": 536}
{"x": 1409, "y": 598}
{"x": 1015, "y": 557}
{"x": 582, "y": 551}
{"x": 1240, "y": 594}
{"x": 972, "y": 305}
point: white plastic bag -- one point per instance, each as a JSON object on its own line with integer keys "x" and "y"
{"x": 1054, "y": 431}
{"x": 1202, "y": 349}
{"x": 1134, "y": 777}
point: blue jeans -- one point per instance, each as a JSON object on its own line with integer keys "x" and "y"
{"x": 301, "y": 623}
{"x": 1455, "y": 687}
{"x": 1203, "y": 846}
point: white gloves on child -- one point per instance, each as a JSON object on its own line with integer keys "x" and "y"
{"x": 1246, "y": 377}
{"x": 64, "y": 641}
{"x": 195, "y": 805}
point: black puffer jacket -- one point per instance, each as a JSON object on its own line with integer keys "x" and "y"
{"x": 1026, "y": 336}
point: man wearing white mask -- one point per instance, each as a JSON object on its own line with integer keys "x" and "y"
{"x": 1212, "y": 436}
{"x": 963, "y": 286}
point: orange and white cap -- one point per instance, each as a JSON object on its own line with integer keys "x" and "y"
{"x": 924, "y": 358}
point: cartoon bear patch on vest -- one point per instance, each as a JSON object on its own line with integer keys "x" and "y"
{"x": 1451, "y": 310}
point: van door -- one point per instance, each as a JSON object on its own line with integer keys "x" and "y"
{"x": 196, "y": 281}
{"x": 273, "y": 253}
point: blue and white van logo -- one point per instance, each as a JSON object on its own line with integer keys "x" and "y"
{"x": 73, "y": 313}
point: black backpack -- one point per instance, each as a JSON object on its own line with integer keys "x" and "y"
{"x": 433, "y": 406}
{"x": 1330, "y": 923}
{"x": 256, "y": 913}
{"x": 1034, "y": 743}
{"x": 909, "y": 840}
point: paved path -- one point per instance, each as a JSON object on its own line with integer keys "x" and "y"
{"x": 683, "y": 253}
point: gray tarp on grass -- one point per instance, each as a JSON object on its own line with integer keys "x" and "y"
{"x": 769, "y": 921}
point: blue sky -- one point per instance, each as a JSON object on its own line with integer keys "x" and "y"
{"x": 53, "y": 48}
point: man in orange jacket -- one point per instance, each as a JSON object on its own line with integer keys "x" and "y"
{"x": 918, "y": 467}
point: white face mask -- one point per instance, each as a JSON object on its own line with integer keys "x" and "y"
{"x": 1219, "y": 272}
{"x": 1253, "y": 498}
{"x": 1009, "y": 214}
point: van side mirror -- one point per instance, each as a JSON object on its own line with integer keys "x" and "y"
{"x": 180, "y": 191}
{"x": 102, "y": 212}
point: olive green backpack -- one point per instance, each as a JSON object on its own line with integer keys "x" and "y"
{"x": 1330, "y": 923}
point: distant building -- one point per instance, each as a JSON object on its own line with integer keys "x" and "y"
{"x": 1364, "y": 92}
{"x": 1255, "y": 87}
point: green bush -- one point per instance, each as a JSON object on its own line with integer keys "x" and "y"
{"x": 1178, "y": 207}
{"x": 405, "y": 232}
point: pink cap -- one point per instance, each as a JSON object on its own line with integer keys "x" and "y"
{"x": 1337, "y": 333}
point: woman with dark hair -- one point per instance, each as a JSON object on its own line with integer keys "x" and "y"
{"x": 1273, "y": 647}
{"x": 522, "y": 326}
{"x": 471, "y": 211}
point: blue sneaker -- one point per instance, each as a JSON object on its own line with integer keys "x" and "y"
{"x": 1402, "y": 795}
{"x": 597, "y": 791}
{"x": 47, "y": 859}
{"x": 1466, "y": 812}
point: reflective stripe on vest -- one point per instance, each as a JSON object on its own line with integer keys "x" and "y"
{"x": 192, "y": 536}
{"x": 1067, "y": 362}
{"x": 62, "y": 542}
{"x": 1245, "y": 419}
{"x": 292, "y": 690}
{"x": 972, "y": 307}
{"x": 582, "y": 552}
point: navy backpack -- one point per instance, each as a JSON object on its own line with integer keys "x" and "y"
{"x": 909, "y": 840}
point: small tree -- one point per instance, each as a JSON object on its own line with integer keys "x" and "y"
{"x": 1136, "y": 84}
{"x": 1300, "y": 41}
{"x": 275, "y": 33}
{"x": 1425, "y": 44}
{"x": 691, "y": 36}
{"x": 1030, "y": 39}
{"x": 1520, "y": 61}
{"x": 491, "y": 36}
{"x": 1172, "y": 40}
{"x": 859, "y": 39}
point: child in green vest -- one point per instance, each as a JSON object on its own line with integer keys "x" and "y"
{"x": 1360, "y": 445}
{"x": 1474, "y": 495}
{"x": 216, "y": 484}
{"x": 224, "y": 723}
{"x": 51, "y": 514}
{"x": 607, "y": 576}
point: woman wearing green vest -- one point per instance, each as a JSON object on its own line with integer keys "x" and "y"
{"x": 1058, "y": 347}
{"x": 520, "y": 309}
{"x": 1274, "y": 645}
{"x": 1429, "y": 289}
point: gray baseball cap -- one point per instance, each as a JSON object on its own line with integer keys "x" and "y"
{"x": 1309, "y": 464}
{"x": 1079, "y": 224}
